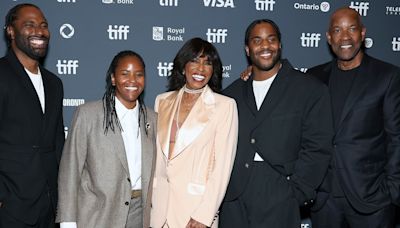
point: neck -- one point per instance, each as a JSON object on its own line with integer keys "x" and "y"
{"x": 29, "y": 63}
{"x": 260, "y": 75}
{"x": 350, "y": 64}
{"x": 192, "y": 91}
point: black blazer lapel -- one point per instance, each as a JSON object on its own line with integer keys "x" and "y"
{"x": 275, "y": 93}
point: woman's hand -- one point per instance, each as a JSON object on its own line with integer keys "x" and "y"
{"x": 245, "y": 75}
{"x": 195, "y": 224}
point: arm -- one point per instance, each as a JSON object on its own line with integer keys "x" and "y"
{"x": 225, "y": 150}
{"x": 391, "y": 117}
{"x": 316, "y": 147}
{"x": 71, "y": 165}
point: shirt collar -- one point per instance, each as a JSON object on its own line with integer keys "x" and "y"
{"x": 122, "y": 111}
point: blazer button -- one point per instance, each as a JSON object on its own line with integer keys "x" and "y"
{"x": 246, "y": 165}
{"x": 288, "y": 178}
{"x": 126, "y": 203}
{"x": 129, "y": 180}
{"x": 305, "y": 203}
{"x": 252, "y": 141}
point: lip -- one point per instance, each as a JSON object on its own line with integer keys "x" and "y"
{"x": 198, "y": 77}
{"x": 38, "y": 42}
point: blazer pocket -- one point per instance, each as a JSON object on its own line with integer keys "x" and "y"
{"x": 196, "y": 189}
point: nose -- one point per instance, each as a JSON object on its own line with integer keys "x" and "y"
{"x": 132, "y": 78}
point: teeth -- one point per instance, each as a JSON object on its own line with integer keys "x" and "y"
{"x": 346, "y": 46}
{"x": 198, "y": 77}
{"x": 265, "y": 54}
{"x": 131, "y": 88}
{"x": 37, "y": 42}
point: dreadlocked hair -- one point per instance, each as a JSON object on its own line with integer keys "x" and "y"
{"x": 110, "y": 113}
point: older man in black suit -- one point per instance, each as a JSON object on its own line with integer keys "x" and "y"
{"x": 31, "y": 124}
{"x": 364, "y": 182}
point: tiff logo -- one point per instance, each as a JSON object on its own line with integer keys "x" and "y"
{"x": 310, "y": 39}
{"x": 67, "y": 66}
{"x": 168, "y": 2}
{"x": 118, "y": 32}
{"x": 216, "y": 35}
{"x": 265, "y": 5}
{"x": 396, "y": 44}
{"x": 164, "y": 68}
{"x": 360, "y": 7}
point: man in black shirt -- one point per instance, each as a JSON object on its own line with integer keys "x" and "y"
{"x": 363, "y": 182}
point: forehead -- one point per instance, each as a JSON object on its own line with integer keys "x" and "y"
{"x": 129, "y": 60}
{"x": 348, "y": 17}
{"x": 28, "y": 13}
{"x": 263, "y": 28}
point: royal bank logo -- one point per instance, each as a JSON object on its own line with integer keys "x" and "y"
{"x": 310, "y": 39}
{"x": 168, "y": 33}
{"x": 216, "y": 35}
{"x": 66, "y": 132}
{"x": 264, "y": 5}
{"x": 392, "y": 10}
{"x": 67, "y": 31}
{"x": 169, "y": 3}
{"x": 118, "y": 32}
{"x": 324, "y": 6}
{"x": 368, "y": 42}
{"x": 396, "y": 44}
{"x": 219, "y": 3}
{"x": 67, "y": 67}
{"x": 122, "y": 2}
{"x": 226, "y": 70}
{"x": 66, "y": 1}
{"x": 360, "y": 7}
{"x": 164, "y": 68}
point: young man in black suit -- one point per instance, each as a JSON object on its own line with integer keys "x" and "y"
{"x": 31, "y": 124}
{"x": 285, "y": 137}
{"x": 363, "y": 184}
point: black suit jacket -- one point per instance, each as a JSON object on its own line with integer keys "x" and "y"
{"x": 367, "y": 140}
{"x": 292, "y": 132}
{"x": 30, "y": 141}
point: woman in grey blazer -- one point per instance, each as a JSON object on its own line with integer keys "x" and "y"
{"x": 108, "y": 157}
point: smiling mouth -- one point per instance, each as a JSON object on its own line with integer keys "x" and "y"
{"x": 198, "y": 77}
{"x": 346, "y": 46}
{"x": 38, "y": 43}
{"x": 131, "y": 88}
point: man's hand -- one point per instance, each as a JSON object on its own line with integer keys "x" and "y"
{"x": 245, "y": 75}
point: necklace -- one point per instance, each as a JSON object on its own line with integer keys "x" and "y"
{"x": 192, "y": 91}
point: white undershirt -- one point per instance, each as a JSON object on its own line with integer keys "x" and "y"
{"x": 133, "y": 146}
{"x": 260, "y": 90}
{"x": 37, "y": 82}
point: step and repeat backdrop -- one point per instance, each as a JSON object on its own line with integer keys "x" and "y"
{"x": 86, "y": 34}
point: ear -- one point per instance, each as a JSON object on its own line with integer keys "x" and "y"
{"x": 363, "y": 32}
{"x": 247, "y": 50}
{"x": 10, "y": 32}
{"x": 328, "y": 37}
{"x": 112, "y": 80}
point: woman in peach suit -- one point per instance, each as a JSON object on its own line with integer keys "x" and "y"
{"x": 196, "y": 141}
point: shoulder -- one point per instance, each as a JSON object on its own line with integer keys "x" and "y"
{"x": 165, "y": 95}
{"x": 220, "y": 98}
{"x": 51, "y": 76}
{"x": 234, "y": 87}
{"x": 92, "y": 107}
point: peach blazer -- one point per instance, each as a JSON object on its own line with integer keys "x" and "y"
{"x": 193, "y": 182}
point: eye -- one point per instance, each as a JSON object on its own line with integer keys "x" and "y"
{"x": 140, "y": 74}
{"x": 256, "y": 40}
{"x": 272, "y": 39}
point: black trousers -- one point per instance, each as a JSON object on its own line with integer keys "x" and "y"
{"x": 338, "y": 213}
{"x": 45, "y": 220}
{"x": 268, "y": 201}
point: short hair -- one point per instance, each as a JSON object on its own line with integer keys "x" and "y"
{"x": 259, "y": 21}
{"x": 12, "y": 16}
{"x": 192, "y": 49}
